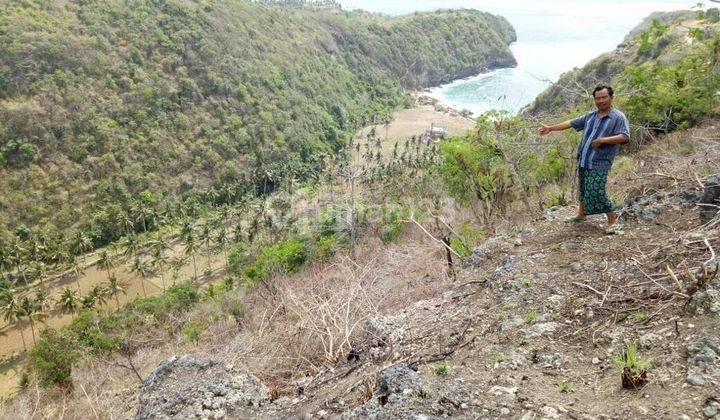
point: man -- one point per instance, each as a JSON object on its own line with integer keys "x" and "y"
{"x": 603, "y": 130}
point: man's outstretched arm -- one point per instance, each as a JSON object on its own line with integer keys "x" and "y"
{"x": 618, "y": 139}
{"x": 546, "y": 129}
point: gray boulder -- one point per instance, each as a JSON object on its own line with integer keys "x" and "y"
{"x": 710, "y": 200}
{"x": 190, "y": 387}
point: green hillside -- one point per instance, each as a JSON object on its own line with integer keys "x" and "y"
{"x": 664, "y": 74}
{"x": 112, "y": 111}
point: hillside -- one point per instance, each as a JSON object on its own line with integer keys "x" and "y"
{"x": 667, "y": 52}
{"x": 114, "y": 112}
{"x": 534, "y": 323}
{"x": 418, "y": 279}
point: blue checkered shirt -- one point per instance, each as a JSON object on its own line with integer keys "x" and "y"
{"x": 593, "y": 127}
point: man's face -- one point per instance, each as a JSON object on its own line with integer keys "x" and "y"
{"x": 603, "y": 100}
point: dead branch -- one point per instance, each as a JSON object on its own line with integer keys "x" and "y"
{"x": 599, "y": 293}
{"x": 412, "y": 219}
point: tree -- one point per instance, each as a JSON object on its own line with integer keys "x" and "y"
{"x": 4, "y": 260}
{"x": 191, "y": 248}
{"x": 140, "y": 268}
{"x": 177, "y": 263}
{"x": 186, "y": 230}
{"x": 221, "y": 239}
{"x": 80, "y": 244}
{"x": 114, "y": 287}
{"x": 106, "y": 261}
{"x": 159, "y": 261}
{"x": 206, "y": 238}
{"x": 32, "y": 312}
{"x": 18, "y": 257}
{"x": 68, "y": 301}
{"x": 131, "y": 245}
{"x": 76, "y": 268}
{"x": 125, "y": 223}
{"x": 87, "y": 301}
{"x": 143, "y": 209}
{"x": 99, "y": 294}
{"x": 42, "y": 299}
{"x": 12, "y": 311}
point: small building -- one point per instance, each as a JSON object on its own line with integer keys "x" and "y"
{"x": 435, "y": 133}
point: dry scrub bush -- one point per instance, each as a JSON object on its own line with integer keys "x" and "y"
{"x": 328, "y": 314}
{"x": 316, "y": 316}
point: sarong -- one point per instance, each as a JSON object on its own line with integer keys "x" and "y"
{"x": 592, "y": 191}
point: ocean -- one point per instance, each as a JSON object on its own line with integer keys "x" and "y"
{"x": 553, "y": 37}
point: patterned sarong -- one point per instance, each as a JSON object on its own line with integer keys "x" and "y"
{"x": 592, "y": 191}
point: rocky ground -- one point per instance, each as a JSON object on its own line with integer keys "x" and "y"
{"x": 529, "y": 330}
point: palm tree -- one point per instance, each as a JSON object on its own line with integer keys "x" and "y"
{"x": 80, "y": 244}
{"x": 186, "y": 230}
{"x": 106, "y": 261}
{"x": 176, "y": 263}
{"x": 38, "y": 271}
{"x": 142, "y": 211}
{"x": 99, "y": 294}
{"x": 206, "y": 238}
{"x": 159, "y": 261}
{"x": 76, "y": 268}
{"x": 131, "y": 245}
{"x": 115, "y": 287}
{"x": 17, "y": 255}
{"x": 42, "y": 299}
{"x": 125, "y": 223}
{"x": 87, "y": 301}
{"x": 12, "y": 311}
{"x": 140, "y": 268}
{"x": 32, "y": 312}
{"x": 191, "y": 248}
{"x": 222, "y": 239}
{"x": 68, "y": 301}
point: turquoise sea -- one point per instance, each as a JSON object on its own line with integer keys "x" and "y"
{"x": 553, "y": 37}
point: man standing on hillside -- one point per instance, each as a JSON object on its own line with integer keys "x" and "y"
{"x": 603, "y": 130}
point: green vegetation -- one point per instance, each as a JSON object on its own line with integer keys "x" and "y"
{"x": 117, "y": 117}
{"x": 531, "y": 316}
{"x": 96, "y": 333}
{"x": 668, "y": 97}
{"x": 640, "y": 316}
{"x": 499, "y": 358}
{"x": 564, "y": 387}
{"x": 52, "y": 358}
{"x": 442, "y": 369}
{"x": 285, "y": 257}
{"x": 634, "y": 367}
{"x": 489, "y": 170}
{"x": 193, "y": 331}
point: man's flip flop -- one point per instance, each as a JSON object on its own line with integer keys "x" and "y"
{"x": 574, "y": 221}
{"x": 616, "y": 229}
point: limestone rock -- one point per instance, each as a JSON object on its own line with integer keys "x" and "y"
{"x": 190, "y": 387}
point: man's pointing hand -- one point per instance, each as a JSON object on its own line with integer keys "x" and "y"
{"x": 544, "y": 129}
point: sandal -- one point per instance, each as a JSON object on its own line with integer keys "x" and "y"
{"x": 574, "y": 221}
{"x": 616, "y": 229}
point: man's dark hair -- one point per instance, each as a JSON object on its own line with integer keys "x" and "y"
{"x": 601, "y": 87}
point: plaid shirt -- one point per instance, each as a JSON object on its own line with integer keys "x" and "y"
{"x": 593, "y": 127}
